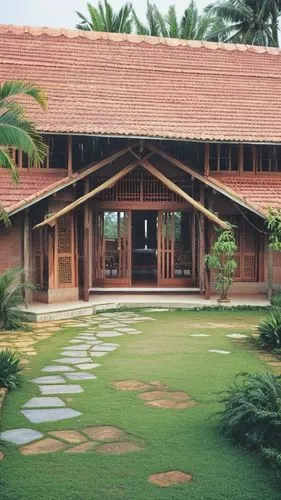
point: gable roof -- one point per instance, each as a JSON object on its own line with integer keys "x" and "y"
{"x": 127, "y": 85}
{"x": 259, "y": 192}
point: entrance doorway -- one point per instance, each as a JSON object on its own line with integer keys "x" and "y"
{"x": 144, "y": 247}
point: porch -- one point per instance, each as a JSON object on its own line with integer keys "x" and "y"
{"x": 98, "y": 302}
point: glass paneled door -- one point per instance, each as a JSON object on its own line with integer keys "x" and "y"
{"x": 174, "y": 248}
{"x": 112, "y": 248}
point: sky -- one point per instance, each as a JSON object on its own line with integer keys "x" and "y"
{"x": 61, "y": 13}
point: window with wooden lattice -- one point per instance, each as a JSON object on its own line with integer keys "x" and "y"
{"x": 65, "y": 251}
{"x": 247, "y": 250}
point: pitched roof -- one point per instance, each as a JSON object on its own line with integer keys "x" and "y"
{"x": 15, "y": 197}
{"x": 259, "y": 192}
{"x": 115, "y": 84}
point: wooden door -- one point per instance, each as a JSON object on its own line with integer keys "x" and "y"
{"x": 112, "y": 258}
{"x": 174, "y": 248}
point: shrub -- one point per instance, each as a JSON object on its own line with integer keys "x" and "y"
{"x": 252, "y": 412}
{"x": 276, "y": 299}
{"x": 10, "y": 370}
{"x": 12, "y": 287}
{"x": 270, "y": 330}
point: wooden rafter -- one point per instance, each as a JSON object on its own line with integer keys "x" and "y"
{"x": 176, "y": 189}
{"x": 212, "y": 183}
{"x": 109, "y": 183}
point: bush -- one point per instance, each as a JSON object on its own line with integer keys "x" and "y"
{"x": 12, "y": 287}
{"x": 270, "y": 331}
{"x": 276, "y": 299}
{"x": 252, "y": 413}
{"x": 10, "y": 370}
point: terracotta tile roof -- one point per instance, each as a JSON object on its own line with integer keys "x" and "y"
{"x": 31, "y": 184}
{"x": 258, "y": 191}
{"x": 115, "y": 84}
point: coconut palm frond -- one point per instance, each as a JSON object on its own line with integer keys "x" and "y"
{"x": 104, "y": 18}
{"x": 18, "y": 132}
{"x": 172, "y": 22}
{"x": 4, "y": 217}
{"x": 6, "y": 161}
{"x": 15, "y": 88}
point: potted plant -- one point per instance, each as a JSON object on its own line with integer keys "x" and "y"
{"x": 222, "y": 261}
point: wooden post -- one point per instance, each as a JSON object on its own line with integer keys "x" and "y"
{"x": 86, "y": 247}
{"x": 26, "y": 254}
{"x": 51, "y": 257}
{"x": 270, "y": 273}
{"x": 207, "y": 159}
{"x": 69, "y": 155}
{"x": 193, "y": 247}
{"x": 201, "y": 244}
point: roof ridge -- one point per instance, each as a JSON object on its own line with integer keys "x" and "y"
{"x": 132, "y": 38}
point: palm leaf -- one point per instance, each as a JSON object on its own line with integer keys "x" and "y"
{"x": 15, "y": 88}
{"x": 6, "y": 161}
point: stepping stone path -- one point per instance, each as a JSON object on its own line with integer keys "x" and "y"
{"x": 219, "y": 351}
{"x": 161, "y": 398}
{"x": 74, "y": 365}
{"x": 164, "y": 479}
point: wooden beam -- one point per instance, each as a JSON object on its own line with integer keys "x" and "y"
{"x": 214, "y": 183}
{"x": 86, "y": 247}
{"x": 176, "y": 189}
{"x": 69, "y": 155}
{"x": 201, "y": 244}
{"x": 26, "y": 253}
{"x": 109, "y": 183}
{"x": 270, "y": 273}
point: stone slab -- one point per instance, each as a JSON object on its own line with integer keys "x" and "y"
{"x": 219, "y": 351}
{"x": 44, "y": 402}
{"x": 56, "y": 369}
{"x": 109, "y": 334}
{"x": 103, "y": 348}
{"x": 80, "y": 376}
{"x": 237, "y": 336}
{"x": 47, "y": 445}
{"x": 73, "y": 361}
{"x": 60, "y": 389}
{"x": 49, "y": 415}
{"x": 20, "y": 436}
{"x": 52, "y": 379}
{"x": 98, "y": 354}
{"x": 80, "y": 347}
{"x": 87, "y": 366}
{"x": 70, "y": 436}
{"x": 78, "y": 354}
{"x": 200, "y": 335}
{"x": 127, "y": 330}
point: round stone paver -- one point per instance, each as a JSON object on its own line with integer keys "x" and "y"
{"x": 82, "y": 448}
{"x": 168, "y": 403}
{"x": 70, "y": 436}
{"x": 103, "y": 432}
{"x": 131, "y": 385}
{"x": 47, "y": 445}
{"x": 164, "y": 479}
{"x": 175, "y": 396}
{"x": 1, "y": 455}
{"x": 119, "y": 448}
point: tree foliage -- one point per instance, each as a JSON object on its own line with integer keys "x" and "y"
{"x": 103, "y": 18}
{"x": 12, "y": 287}
{"x": 270, "y": 331}
{"x": 274, "y": 227}
{"x": 254, "y": 22}
{"x": 16, "y": 130}
{"x": 222, "y": 260}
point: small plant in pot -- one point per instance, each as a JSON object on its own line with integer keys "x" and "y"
{"x": 222, "y": 261}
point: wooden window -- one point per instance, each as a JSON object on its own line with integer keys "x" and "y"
{"x": 248, "y": 158}
{"x": 247, "y": 250}
{"x": 224, "y": 157}
{"x": 268, "y": 158}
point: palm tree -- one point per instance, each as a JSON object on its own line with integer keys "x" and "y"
{"x": 16, "y": 130}
{"x": 254, "y": 22}
{"x": 192, "y": 26}
{"x": 103, "y": 18}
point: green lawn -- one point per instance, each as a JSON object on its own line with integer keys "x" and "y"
{"x": 187, "y": 440}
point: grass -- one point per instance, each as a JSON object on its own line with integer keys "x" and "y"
{"x": 188, "y": 440}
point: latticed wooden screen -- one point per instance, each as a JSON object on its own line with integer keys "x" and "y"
{"x": 247, "y": 255}
{"x": 140, "y": 186}
{"x": 65, "y": 251}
